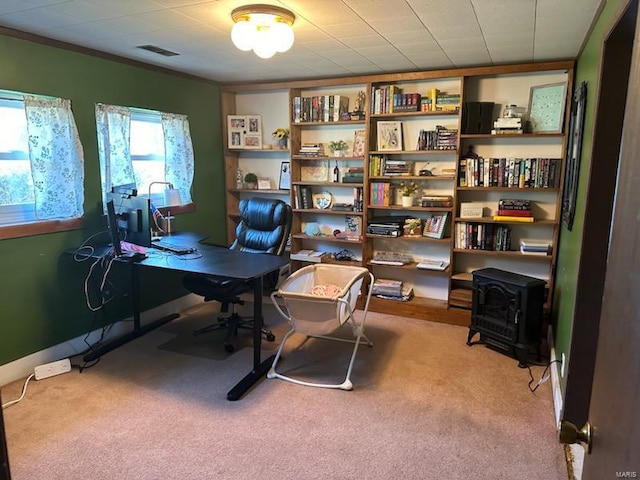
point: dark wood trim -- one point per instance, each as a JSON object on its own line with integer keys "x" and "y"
{"x": 607, "y": 137}
{"x": 40, "y": 228}
{"x": 32, "y": 37}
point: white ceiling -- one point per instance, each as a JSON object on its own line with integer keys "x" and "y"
{"x": 333, "y": 37}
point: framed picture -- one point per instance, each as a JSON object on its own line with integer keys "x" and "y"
{"x": 285, "y": 176}
{"x": 235, "y": 131}
{"x": 264, "y": 184}
{"x": 244, "y": 131}
{"x": 434, "y": 224}
{"x": 389, "y": 136}
{"x": 574, "y": 150}
{"x": 314, "y": 171}
{"x": 546, "y": 107}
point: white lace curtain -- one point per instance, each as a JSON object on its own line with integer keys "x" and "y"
{"x": 113, "y": 125}
{"x": 57, "y": 158}
{"x": 178, "y": 153}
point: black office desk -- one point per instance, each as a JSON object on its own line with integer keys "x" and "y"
{"x": 209, "y": 260}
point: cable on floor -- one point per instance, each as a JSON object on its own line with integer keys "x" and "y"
{"x": 24, "y": 390}
{"x": 542, "y": 377}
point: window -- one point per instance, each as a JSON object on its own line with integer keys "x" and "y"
{"x": 43, "y": 179}
{"x": 148, "y": 148}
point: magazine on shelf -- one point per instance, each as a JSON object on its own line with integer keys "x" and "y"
{"x": 391, "y": 258}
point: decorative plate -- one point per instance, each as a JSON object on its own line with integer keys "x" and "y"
{"x": 322, "y": 200}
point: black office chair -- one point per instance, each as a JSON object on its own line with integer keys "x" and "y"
{"x": 264, "y": 227}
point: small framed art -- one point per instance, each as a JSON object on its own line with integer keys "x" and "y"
{"x": 546, "y": 107}
{"x": 244, "y": 132}
{"x": 389, "y": 136}
{"x": 285, "y": 176}
{"x": 264, "y": 184}
{"x": 434, "y": 224}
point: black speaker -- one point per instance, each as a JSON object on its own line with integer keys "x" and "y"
{"x": 477, "y": 117}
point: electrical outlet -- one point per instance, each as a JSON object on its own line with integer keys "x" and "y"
{"x": 52, "y": 369}
{"x": 562, "y": 362}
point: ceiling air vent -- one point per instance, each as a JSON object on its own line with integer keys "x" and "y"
{"x": 158, "y": 50}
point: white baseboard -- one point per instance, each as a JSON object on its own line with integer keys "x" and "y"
{"x": 555, "y": 379}
{"x": 24, "y": 366}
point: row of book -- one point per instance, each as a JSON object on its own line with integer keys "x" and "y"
{"x": 391, "y": 99}
{"x": 320, "y": 108}
{"x": 382, "y": 165}
{"x": 379, "y": 193}
{"x": 509, "y": 172}
{"x": 439, "y": 139}
{"x": 482, "y": 236}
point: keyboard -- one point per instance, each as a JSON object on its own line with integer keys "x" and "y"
{"x": 173, "y": 248}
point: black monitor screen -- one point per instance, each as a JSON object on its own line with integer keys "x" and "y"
{"x": 133, "y": 215}
{"x": 112, "y": 223}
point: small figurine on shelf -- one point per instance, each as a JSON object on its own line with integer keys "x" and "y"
{"x": 239, "y": 182}
{"x": 336, "y": 173}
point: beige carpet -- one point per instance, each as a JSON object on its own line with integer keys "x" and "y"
{"x": 424, "y": 406}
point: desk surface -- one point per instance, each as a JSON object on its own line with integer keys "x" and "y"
{"x": 212, "y": 260}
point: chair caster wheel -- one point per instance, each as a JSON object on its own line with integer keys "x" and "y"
{"x": 271, "y": 337}
{"x": 229, "y": 348}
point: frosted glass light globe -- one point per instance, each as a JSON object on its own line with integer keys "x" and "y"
{"x": 283, "y": 36}
{"x": 243, "y": 35}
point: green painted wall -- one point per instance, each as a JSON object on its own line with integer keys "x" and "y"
{"x": 40, "y": 288}
{"x": 587, "y": 70}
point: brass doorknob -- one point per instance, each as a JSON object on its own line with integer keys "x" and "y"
{"x": 569, "y": 434}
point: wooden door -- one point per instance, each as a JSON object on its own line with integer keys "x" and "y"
{"x": 614, "y": 411}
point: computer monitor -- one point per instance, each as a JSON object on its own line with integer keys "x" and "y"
{"x": 112, "y": 223}
{"x": 133, "y": 218}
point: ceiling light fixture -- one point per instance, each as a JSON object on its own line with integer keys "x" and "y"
{"x": 265, "y": 29}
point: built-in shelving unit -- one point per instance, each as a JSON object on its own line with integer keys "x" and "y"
{"x": 440, "y": 295}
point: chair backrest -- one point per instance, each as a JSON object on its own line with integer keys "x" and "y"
{"x": 264, "y": 226}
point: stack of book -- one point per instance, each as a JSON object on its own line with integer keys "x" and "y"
{"x": 513, "y": 210}
{"x": 353, "y": 175}
{"x": 312, "y": 150}
{"x": 391, "y": 290}
{"x": 391, "y": 258}
{"x": 397, "y": 167}
{"x": 436, "y": 201}
{"x": 535, "y": 247}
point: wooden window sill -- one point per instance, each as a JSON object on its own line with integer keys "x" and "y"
{"x": 39, "y": 228}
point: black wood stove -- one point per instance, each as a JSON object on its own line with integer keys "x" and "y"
{"x": 507, "y": 312}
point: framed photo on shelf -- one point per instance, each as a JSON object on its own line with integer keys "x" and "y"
{"x": 235, "y": 131}
{"x": 285, "y": 176}
{"x": 315, "y": 171}
{"x": 264, "y": 183}
{"x": 244, "y": 131}
{"x": 546, "y": 107}
{"x": 434, "y": 224}
{"x": 389, "y": 136}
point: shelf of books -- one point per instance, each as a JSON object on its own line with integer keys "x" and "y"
{"x": 510, "y": 177}
{"x": 422, "y": 166}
